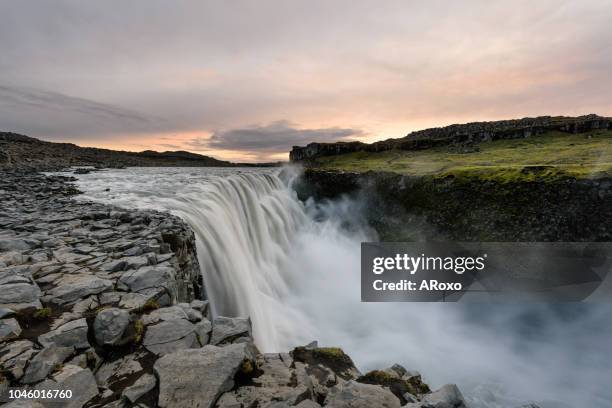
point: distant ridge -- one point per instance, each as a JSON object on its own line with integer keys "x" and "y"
{"x": 474, "y": 132}
{"x": 24, "y": 152}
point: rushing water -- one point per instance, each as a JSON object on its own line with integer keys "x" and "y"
{"x": 294, "y": 269}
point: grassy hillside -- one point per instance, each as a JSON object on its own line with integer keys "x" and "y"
{"x": 548, "y": 156}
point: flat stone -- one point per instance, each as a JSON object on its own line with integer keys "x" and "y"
{"x": 196, "y": 378}
{"x": 142, "y": 386}
{"x": 20, "y": 296}
{"x": 164, "y": 313}
{"x": 45, "y": 361}
{"x": 11, "y": 244}
{"x": 71, "y": 334}
{"x": 169, "y": 336}
{"x": 227, "y": 329}
{"x": 71, "y": 288}
{"x": 149, "y": 277}
{"x": 9, "y": 329}
{"x": 110, "y": 325}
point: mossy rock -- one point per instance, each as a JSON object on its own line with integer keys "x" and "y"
{"x": 398, "y": 386}
{"x": 331, "y": 357}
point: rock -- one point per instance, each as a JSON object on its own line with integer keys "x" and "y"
{"x": 164, "y": 313}
{"x": 118, "y": 370}
{"x": 143, "y": 385}
{"x": 14, "y": 357}
{"x": 149, "y": 277}
{"x": 192, "y": 314}
{"x": 114, "y": 265}
{"x": 331, "y": 357}
{"x": 448, "y": 396}
{"x": 9, "y": 329}
{"x": 202, "y": 330}
{"x": 357, "y": 395}
{"x": 169, "y": 336}
{"x": 308, "y": 404}
{"x": 12, "y": 244}
{"x": 45, "y": 362}
{"x": 6, "y": 312}
{"x": 228, "y": 329}
{"x": 110, "y": 325}
{"x": 196, "y": 378}
{"x": 132, "y": 300}
{"x": 20, "y": 296}
{"x": 71, "y": 288}
{"x": 71, "y": 334}
{"x": 80, "y": 381}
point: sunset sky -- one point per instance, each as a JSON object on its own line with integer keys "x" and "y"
{"x": 246, "y": 80}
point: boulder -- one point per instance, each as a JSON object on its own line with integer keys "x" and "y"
{"x": 13, "y": 244}
{"x": 331, "y": 357}
{"x": 203, "y": 330}
{"x": 169, "y": 336}
{"x": 357, "y": 395}
{"x": 196, "y": 378}
{"x": 71, "y": 334}
{"x": 117, "y": 370}
{"x": 110, "y": 325}
{"x": 229, "y": 329}
{"x": 45, "y": 362}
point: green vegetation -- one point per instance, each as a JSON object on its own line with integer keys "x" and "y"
{"x": 543, "y": 157}
{"x": 43, "y": 314}
{"x": 139, "y": 329}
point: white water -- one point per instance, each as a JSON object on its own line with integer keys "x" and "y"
{"x": 294, "y": 269}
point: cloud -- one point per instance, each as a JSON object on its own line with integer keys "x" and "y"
{"x": 66, "y": 115}
{"x": 276, "y": 137}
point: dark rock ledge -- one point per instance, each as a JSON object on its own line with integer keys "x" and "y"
{"x": 105, "y": 302}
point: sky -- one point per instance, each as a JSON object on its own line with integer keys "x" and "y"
{"x": 246, "y": 80}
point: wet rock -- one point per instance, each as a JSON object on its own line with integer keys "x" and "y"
{"x": 198, "y": 377}
{"x": 71, "y": 334}
{"x": 228, "y": 329}
{"x": 170, "y": 336}
{"x": 9, "y": 329}
{"x": 45, "y": 362}
{"x": 110, "y": 325}
{"x": 331, "y": 357}
{"x": 357, "y": 395}
{"x": 142, "y": 386}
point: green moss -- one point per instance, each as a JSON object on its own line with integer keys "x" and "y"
{"x": 139, "y": 329}
{"x": 564, "y": 155}
{"x": 247, "y": 367}
{"x": 398, "y": 386}
{"x": 329, "y": 353}
{"x": 43, "y": 314}
{"x": 150, "y": 304}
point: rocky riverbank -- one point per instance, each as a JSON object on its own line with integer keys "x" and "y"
{"x": 107, "y": 302}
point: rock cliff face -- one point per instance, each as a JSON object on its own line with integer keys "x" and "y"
{"x": 405, "y": 208}
{"x": 458, "y": 134}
